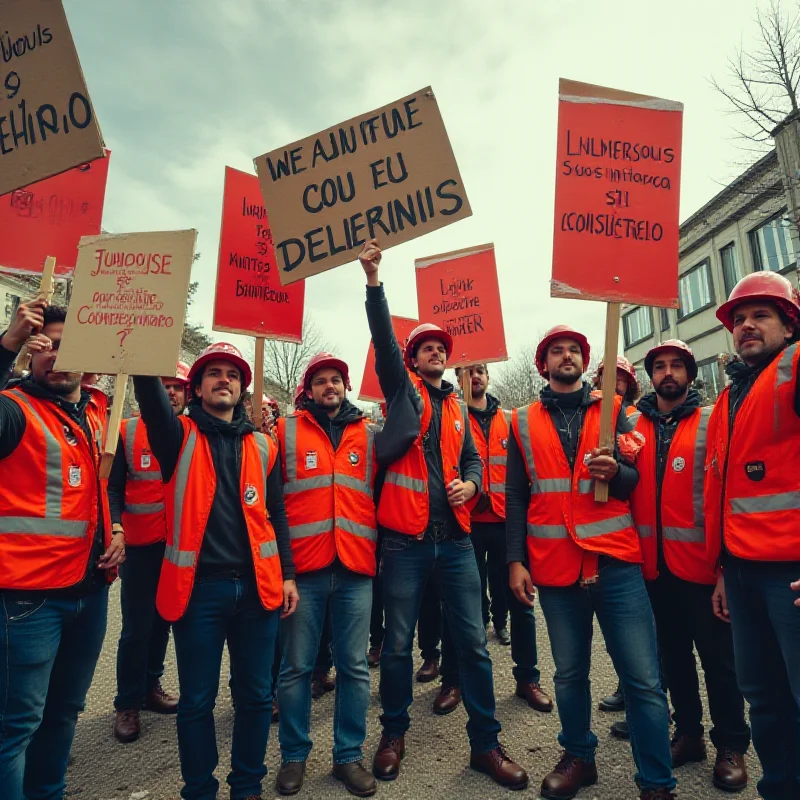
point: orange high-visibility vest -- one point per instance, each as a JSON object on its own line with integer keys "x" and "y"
{"x": 564, "y": 520}
{"x": 404, "y": 505}
{"x": 328, "y": 494}
{"x": 682, "y": 522}
{"x": 189, "y": 495}
{"x": 752, "y": 490}
{"x": 493, "y": 457}
{"x": 49, "y": 490}
{"x": 144, "y": 518}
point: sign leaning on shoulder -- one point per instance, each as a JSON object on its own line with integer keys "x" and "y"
{"x": 388, "y": 174}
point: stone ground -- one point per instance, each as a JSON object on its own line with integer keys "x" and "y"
{"x": 437, "y": 749}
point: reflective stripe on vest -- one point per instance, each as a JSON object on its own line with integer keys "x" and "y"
{"x": 547, "y": 531}
{"x": 406, "y": 482}
{"x": 323, "y": 526}
{"x": 268, "y": 549}
{"x": 263, "y": 453}
{"x": 173, "y": 552}
{"x": 604, "y": 526}
{"x": 498, "y": 460}
{"x": 133, "y": 473}
{"x": 51, "y": 524}
{"x": 144, "y": 508}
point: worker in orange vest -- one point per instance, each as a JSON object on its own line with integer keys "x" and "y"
{"x": 57, "y": 558}
{"x": 585, "y": 559}
{"x": 423, "y": 507}
{"x": 136, "y": 497}
{"x": 667, "y": 508}
{"x": 752, "y": 497}
{"x": 491, "y": 432}
{"x": 227, "y": 572}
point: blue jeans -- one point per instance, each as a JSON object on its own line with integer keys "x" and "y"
{"x": 49, "y": 648}
{"x": 143, "y": 641}
{"x": 223, "y": 609}
{"x": 347, "y": 598}
{"x": 408, "y": 564}
{"x": 766, "y": 643}
{"x": 619, "y": 598}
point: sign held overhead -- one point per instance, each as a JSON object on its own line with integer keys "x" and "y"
{"x": 390, "y": 174}
{"x": 370, "y": 390}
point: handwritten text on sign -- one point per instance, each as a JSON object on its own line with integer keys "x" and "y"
{"x": 617, "y": 196}
{"x": 47, "y": 123}
{"x": 389, "y": 174}
{"x": 249, "y": 297}
{"x": 459, "y": 292}
{"x": 128, "y": 304}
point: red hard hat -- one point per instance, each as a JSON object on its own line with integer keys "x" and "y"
{"x": 768, "y": 286}
{"x": 224, "y": 352}
{"x": 427, "y": 331}
{"x": 299, "y": 394}
{"x": 560, "y": 332}
{"x": 672, "y": 344}
{"x": 322, "y": 360}
{"x": 626, "y": 367}
{"x": 182, "y": 372}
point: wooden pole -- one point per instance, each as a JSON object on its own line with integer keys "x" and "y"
{"x": 607, "y": 422}
{"x": 114, "y": 421}
{"x": 258, "y": 382}
{"x": 466, "y": 385}
{"x": 46, "y": 289}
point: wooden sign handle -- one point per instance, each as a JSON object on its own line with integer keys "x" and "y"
{"x": 47, "y": 284}
{"x": 112, "y": 430}
{"x": 607, "y": 421}
{"x": 258, "y": 382}
{"x": 466, "y": 385}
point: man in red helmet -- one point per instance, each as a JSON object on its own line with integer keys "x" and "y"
{"x": 227, "y": 572}
{"x": 585, "y": 559}
{"x": 423, "y": 506}
{"x": 752, "y": 493}
{"x": 136, "y": 498}
{"x": 667, "y": 508}
{"x": 627, "y": 386}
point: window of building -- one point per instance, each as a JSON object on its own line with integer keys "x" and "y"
{"x": 664, "y": 319}
{"x": 731, "y": 273}
{"x": 695, "y": 290}
{"x": 637, "y": 325}
{"x": 772, "y": 246}
{"x": 709, "y": 381}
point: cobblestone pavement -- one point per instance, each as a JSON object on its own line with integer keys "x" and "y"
{"x": 437, "y": 749}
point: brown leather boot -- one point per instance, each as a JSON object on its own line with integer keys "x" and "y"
{"x": 290, "y": 777}
{"x": 429, "y": 671}
{"x": 730, "y": 771}
{"x": 535, "y": 696}
{"x": 390, "y": 752}
{"x": 374, "y": 657}
{"x": 357, "y": 780}
{"x": 500, "y": 768}
{"x": 687, "y": 749}
{"x": 322, "y": 684}
{"x": 127, "y": 726}
{"x": 570, "y": 775}
{"x": 161, "y": 702}
{"x": 448, "y": 699}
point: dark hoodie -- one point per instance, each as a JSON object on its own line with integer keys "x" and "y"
{"x": 226, "y": 547}
{"x": 334, "y": 426}
{"x": 484, "y": 416}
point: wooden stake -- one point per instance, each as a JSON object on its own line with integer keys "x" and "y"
{"x": 466, "y": 385}
{"x": 607, "y": 422}
{"x": 47, "y": 284}
{"x": 112, "y": 430}
{"x": 258, "y": 382}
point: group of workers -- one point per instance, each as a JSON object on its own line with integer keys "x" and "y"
{"x": 273, "y": 540}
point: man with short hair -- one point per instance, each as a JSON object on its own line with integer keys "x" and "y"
{"x": 751, "y": 503}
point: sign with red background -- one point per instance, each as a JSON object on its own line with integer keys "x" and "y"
{"x": 370, "y": 388}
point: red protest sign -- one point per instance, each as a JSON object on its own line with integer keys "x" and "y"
{"x": 370, "y": 391}
{"x": 49, "y": 217}
{"x": 617, "y": 196}
{"x": 249, "y": 297}
{"x": 459, "y": 292}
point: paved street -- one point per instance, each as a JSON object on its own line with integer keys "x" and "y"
{"x": 437, "y": 750}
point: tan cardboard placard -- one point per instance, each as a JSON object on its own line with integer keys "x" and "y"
{"x": 47, "y": 123}
{"x": 128, "y": 303}
{"x": 389, "y": 174}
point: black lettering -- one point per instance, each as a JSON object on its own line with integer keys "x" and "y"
{"x": 402, "y": 212}
{"x": 374, "y": 219}
{"x": 3, "y": 136}
{"x": 281, "y": 169}
{"x": 306, "y": 205}
{"x": 295, "y": 156}
{"x": 283, "y": 249}
{"x": 332, "y": 248}
{"x": 16, "y": 134}
{"x": 46, "y": 36}
{"x": 397, "y": 123}
{"x": 410, "y": 113}
{"x": 458, "y": 202}
{"x": 355, "y": 228}
{"x": 347, "y": 145}
{"x": 77, "y": 97}
{"x": 403, "y": 170}
{"x": 376, "y": 173}
{"x": 313, "y": 244}
{"x": 44, "y": 125}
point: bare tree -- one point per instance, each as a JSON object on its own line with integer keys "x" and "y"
{"x": 764, "y": 81}
{"x": 518, "y": 382}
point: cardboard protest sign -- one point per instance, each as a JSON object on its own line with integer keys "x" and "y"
{"x": 48, "y": 218}
{"x": 617, "y": 196}
{"x": 128, "y": 304}
{"x": 47, "y": 123}
{"x": 390, "y": 174}
{"x": 459, "y": 292}
{"x": 249, "y": 297}
{"x": 370, "y": 391}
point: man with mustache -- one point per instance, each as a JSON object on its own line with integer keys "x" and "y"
{"x": 423, "y": 507}
{"x": 136, "y": 497}
{"x": 585, "y": 559}
{"x": 752, "y": 497}
{"x": 667, "y": 508}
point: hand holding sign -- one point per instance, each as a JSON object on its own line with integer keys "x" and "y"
{"x": 370, "y": 258}
{"x": 28, "y": 321}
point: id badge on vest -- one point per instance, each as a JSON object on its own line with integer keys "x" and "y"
{"x": 145, "y": 461}
{"x": 74, "y": 477}
{"x": 311, "y": 459}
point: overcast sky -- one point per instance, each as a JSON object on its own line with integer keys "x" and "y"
{"x": 184, "y": 87}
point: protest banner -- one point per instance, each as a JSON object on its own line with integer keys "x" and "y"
{"x": 390, "y": 174}
{"x": 48, "y": 218}
{"x": 370, "y": 390}
{"x": 616, "y": 226}
{"x": 47, "y": 123}
{"x": 459, "y": 292}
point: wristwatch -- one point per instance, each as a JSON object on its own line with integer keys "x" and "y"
{"x": 116, "y": 528}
